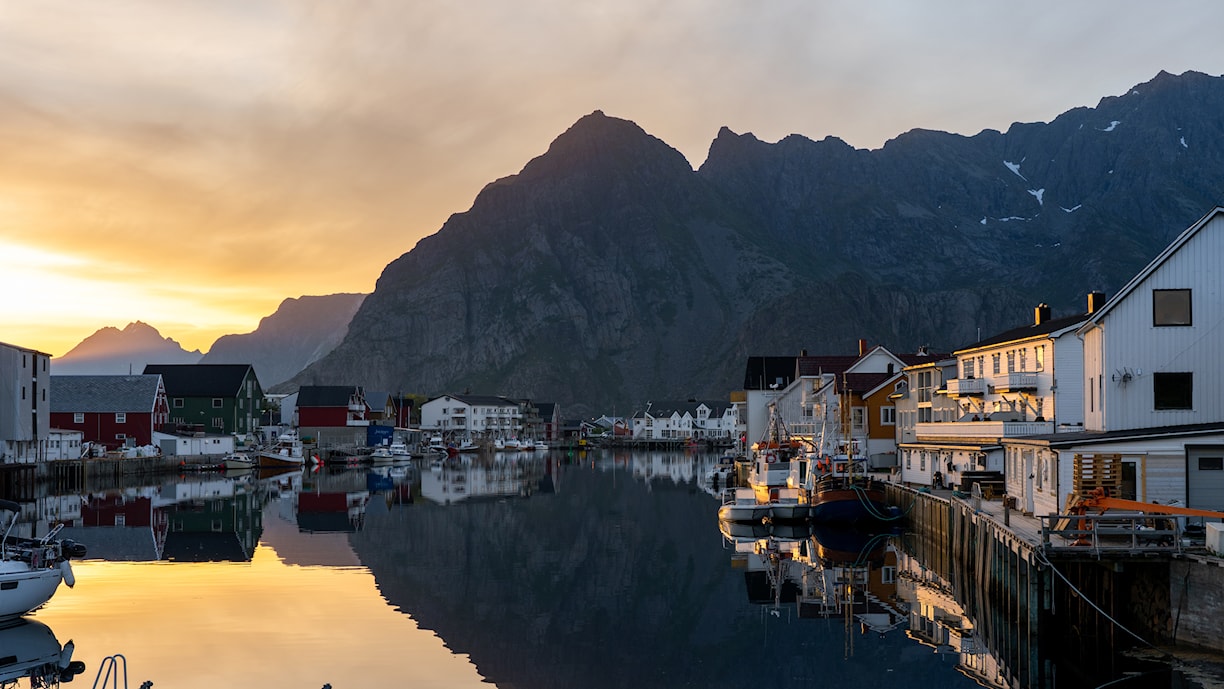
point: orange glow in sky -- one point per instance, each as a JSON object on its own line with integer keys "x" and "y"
{"x": 192, "y": 164}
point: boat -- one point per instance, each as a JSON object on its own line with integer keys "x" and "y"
{"x": 32, "y": 651}
{"x": 468, "y": 445}
{"x": 540, "y": 445}
{"x": 31, "y": 569}
{"x": 777, "y": 461}
{"x": 382, "y": 455}
{"x": 287, "y": 452}
{"x": 436, "y": 444}
{"x": 238, "y": 461}
{"x": 839, "y": 488}
{"x": 741, "y": 505}
{"x": 399, "y": 451}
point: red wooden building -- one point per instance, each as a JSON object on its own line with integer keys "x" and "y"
{"x": 112, "y": 411}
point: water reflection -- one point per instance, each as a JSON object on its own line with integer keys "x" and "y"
{"x": 29, "y": 652}
{"x": 593, "y": 569}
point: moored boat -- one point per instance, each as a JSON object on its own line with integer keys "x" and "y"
{"x": 741, "y": 505}
{"x": 287, "y": 452}
{"x": 31, "y": 569}
{"x": 239, "y": 460}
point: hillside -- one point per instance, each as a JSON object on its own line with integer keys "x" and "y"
{"x": 609, "y": 272}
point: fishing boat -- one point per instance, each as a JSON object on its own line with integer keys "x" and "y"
{"x": 777, "y": 462}
{"x": 31, "y": 569}
{"x": 287, "y": 452}
{"x": 838, "y": 487}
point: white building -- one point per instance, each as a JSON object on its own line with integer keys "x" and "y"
{"x": 699, "y": 420}
{"x": 1022, "y": 382}
{"x": 477, "y": 416}
{"x": 25, "y": 412}
{"x": 1152, "y": 376}
{"x": 809, "y": 398}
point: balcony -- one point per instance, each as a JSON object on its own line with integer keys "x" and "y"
{"x": 1016, "y": 382}
{"x": 981, "y": 431}
{"x": 966, "y": 387}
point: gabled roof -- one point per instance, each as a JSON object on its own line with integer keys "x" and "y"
{"x": 104, "y": 394}
{"x": 816, "y": 365}
{"x": 1048, "y": 328}
{"x": 666, "y": 408}
{"x": 378, "y": 400}
{"x": 547, "y": 409}
{"x": 326, "y": 395}
{"x": 863, "y": 383}
{"x": 1142, "y": 275}
{"x": 482, "y": 400}
{"x": 202, "y": 380}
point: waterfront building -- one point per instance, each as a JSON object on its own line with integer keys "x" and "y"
{"x": 216, "y": 398}
{"x": 696, "y": 420}
{"x": 810, "y": 392}
{"x": 111, "y": 411}
{"x": 25, "y": 419}
{"x": 1021, "y": 382}
{"x": 484, "y": 416}
{"x": 332, "y": 415}
{"x": 1151, "y": 376}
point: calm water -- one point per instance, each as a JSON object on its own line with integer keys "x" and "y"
{"x": 598, "y": 570}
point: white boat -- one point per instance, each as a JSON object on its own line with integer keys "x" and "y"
{"x": 239, "y": 460}
{"x": 740, "y": 505}
{"x": 399, "y": 451}
{"x": 382, "y": 455}
{"x": 287, "y": 452}
{"x": 32, "y": 651}
{"x": 540, "y": 445}
{"x": 437, "y": 445}
{"x": 512, "y": 444}
{"x": 468, "y": 445}
{"x": 31, "y": 569}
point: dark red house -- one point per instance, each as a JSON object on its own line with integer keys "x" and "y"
{"x": 331, "y": 405}
{"x": 113, "y": 411}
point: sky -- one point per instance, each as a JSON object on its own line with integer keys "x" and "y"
{"x": 191, "y": 164}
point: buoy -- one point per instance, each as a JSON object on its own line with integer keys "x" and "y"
{"x": 66, "y": 570}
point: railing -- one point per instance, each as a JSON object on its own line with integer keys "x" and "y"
{"x": 982, "y": 429}
{"x": 966, "y": 386}
{"x": 1095, "y": 533}
{"x": 1017, "y": 381}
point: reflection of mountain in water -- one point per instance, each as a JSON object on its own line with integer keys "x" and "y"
{"x": 607, "y": 583}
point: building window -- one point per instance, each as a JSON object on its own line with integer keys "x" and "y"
{"x": 968, "y": 368}
{"x": 858, "y": 418}
{"x": 120, "y": 417}
{"x": 1171, "y": 307}
{"x": 78, "y": 417}
{"x": 922, "y": 459}
{"x": 1011, "y": 362}
{"x": 121, "y": 436}
{"x": 178, "y": 402}
{"x": 1173, "y": 390}
{"x": 888, "y": 416}
{"x": 1023, "y": 360}
{"x": 909, "y": 459}
{"x": 1039, "y": 357}
{"x": 218, "y": 403}
{"x": 1211, "y": 463}
{"x": 995, "y": 363}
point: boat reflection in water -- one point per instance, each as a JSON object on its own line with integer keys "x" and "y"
{"x": 829, "y": 573}
{"x": 29, "y": 649}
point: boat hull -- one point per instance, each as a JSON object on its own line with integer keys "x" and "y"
{"x": 742, "y": 513}
{"x": 34, "y": 587}
{"x": 848, "y": 505}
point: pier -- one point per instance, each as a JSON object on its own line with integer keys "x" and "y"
{"x": 1129, "y": 583}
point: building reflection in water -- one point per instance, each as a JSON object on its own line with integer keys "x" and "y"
{"x": 864, "y": 579}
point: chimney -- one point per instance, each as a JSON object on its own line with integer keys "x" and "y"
{"x": 862, "y": 347}
{"x": 802, "y": 352}
{"x": 1095, "y": 301}
{"x": 1041, "y": 314}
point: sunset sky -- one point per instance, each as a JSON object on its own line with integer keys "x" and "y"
{"x": 191, "y": 164}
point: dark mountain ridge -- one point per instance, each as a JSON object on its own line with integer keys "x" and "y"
{"x": 609, "y": 272}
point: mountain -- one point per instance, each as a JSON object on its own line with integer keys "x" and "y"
{"x": 608, "y": 272}
{"x": 299, "y": 333}
{"x": 114, "y": 351}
